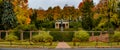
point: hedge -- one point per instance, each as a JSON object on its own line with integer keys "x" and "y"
{"x": 62, "y": 36}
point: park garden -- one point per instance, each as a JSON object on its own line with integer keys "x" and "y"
{"x": 90, "y": 25}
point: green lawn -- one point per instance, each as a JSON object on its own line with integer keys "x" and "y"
{"x": 93, "y": 44}
{"x": 28, "y": 44}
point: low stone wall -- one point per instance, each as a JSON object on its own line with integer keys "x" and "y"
{"x": 102, "y": 38}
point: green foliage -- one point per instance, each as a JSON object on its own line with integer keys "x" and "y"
{"x": 118, "y": 15}
{"x": 107, "y": 10}
{"x": 102, "y": 25}
{"x": 81, "y": 35}
{"x": 62, "y": 36}
{"x": 33, "y": 17}
{"x": 87, "y": 15}
{"x": 11, "y": 37}
{"x": 42, "y": 37}
{"x": 1, "y": 12}
{"x": 112, "y": 13}
{"x": 116, "y": 36}
{"x": 8, "y": 17}
{"x": 75, "y": 25}
{"x": 0, "y": 1}
{"x": 45, "y": 24}
{"x": 26, "y": 27}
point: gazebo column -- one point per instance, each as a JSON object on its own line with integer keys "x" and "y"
{"x": 56, "y": 25}
{"x": 30, "y": 35}
{"x": 107, "y": 36}
{"x": 101, "y": 33}
{"x": 92, "y": 35}
{"x": 65, "y": 25}
{"x": 101, "y": 36}
{"x": 6, "y": 33}
{"x": 21, "y": 36}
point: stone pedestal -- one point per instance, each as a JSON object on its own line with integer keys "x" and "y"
{"x": 21, "y": 36}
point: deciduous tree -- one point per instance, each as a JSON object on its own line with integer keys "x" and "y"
{"x": 22, "y": 12}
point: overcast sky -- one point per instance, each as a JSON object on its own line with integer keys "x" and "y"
{"x": 51, "y": 3}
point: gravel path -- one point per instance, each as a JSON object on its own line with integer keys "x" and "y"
{"x": 62, "y": 45}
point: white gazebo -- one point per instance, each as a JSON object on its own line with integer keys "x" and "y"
{"x": 58, "y": 24}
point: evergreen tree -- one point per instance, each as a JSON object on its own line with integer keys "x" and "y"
{"x": 8, "y": 17}
{"x": 87, "y": 14}
{"x": 1, "y": 12}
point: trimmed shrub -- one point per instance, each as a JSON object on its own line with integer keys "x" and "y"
{"x": 62, "y": 36}
{"x": 43, "y": 37}
{"x": 81, "y": 36}
{"x": 116, "y": 37}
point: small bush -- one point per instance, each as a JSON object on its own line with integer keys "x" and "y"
{"x": 11, "y": 38}
{"x": 116, "y": 37}
{"x": 81, "y": 35}
{"x": 42, "y": 37}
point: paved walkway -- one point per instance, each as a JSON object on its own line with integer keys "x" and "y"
{"x": 62, "y": 45}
